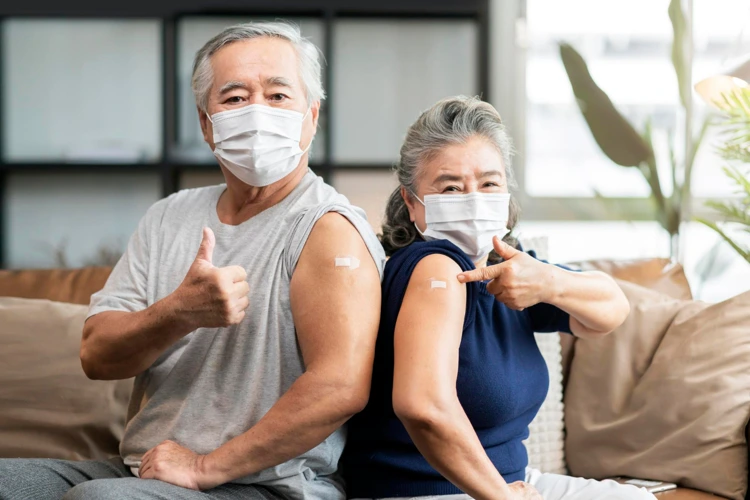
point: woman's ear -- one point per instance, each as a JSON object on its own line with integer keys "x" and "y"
{"x": 409, "y": 203}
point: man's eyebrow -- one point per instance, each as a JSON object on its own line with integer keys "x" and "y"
{"x": 229, "y": 86}
{"x": 278, "y": 81}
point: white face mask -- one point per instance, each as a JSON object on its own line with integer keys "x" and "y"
{"x": 469, "y": 221}
{"x": 258, "y": 144}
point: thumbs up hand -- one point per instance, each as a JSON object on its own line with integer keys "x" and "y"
{"x": 520, "y": 281}
{"x": 213, "y": 296}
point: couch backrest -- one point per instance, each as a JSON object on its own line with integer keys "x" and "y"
{"x": 60, "y": 285}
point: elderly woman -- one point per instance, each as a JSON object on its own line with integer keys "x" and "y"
{"x": 458, "y": 375}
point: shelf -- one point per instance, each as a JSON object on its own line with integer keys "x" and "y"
{"x": 172, "y": 8}
{"x": 103, "y": 168}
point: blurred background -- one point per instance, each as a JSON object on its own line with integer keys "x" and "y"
{"x": 97, "y": 119}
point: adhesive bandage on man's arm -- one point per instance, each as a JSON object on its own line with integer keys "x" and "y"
{"x": 346, "y": 262}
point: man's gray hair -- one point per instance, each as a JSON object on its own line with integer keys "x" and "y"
{"x": 307, "y": 54}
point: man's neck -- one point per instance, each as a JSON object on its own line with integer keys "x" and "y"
{"x": 241, "y": 202}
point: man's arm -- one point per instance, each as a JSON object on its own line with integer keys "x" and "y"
{"x": 336, "y": 314}
{"x": 120, "y": 345}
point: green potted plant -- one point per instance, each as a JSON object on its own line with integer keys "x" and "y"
{"x": 625, "y": 146}
{"x": 735, "y": 106}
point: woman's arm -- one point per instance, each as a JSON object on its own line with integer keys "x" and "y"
{"x": 593, "y": 300}
{"x": 427, "y": 338}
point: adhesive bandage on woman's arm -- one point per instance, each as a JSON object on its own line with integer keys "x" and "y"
{"x": 346, "y": 262}
{"x": 436, "y": 283}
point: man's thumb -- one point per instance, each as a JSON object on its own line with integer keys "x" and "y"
{"x": 206, "y": 250}
{"x": 503, "y": 249}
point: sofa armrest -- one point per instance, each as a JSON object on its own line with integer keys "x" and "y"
{"x": 686, "y": 494}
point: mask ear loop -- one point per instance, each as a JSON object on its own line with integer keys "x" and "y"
{"x": 304, "y": 117}
{"x": 417, "y": 197}
{"x": 415, "y": 224}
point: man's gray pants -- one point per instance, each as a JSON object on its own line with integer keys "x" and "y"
{"x": 46, "y": 479}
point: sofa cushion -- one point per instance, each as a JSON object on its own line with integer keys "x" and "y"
{"x": 48, "y": 408}
{"x": 61, "y": 285}
{"x": 661, "y": 275}
{"x": 666, "y": 396}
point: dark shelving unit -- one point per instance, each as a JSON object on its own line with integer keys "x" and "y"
{"x": 171, "y": 12}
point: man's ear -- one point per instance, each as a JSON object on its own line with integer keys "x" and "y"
{"x": 409, "y": 202}
{"x": 206, "y": 128}
{"x": 315, "y": 114}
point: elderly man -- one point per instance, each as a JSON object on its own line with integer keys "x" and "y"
{"x": 247, "y": 313}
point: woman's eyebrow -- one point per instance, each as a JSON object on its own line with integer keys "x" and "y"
{"x": 490, "y": 173}
{"x": 448, "y": 177}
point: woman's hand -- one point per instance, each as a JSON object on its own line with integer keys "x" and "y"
{"x": 593, "y": 300}
{"x": 523, "y": 491}
{"x": 520, "y": 282}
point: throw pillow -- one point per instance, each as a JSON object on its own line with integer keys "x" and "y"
{"x": 666, "y": 396}
{"x": 48, "y": 408}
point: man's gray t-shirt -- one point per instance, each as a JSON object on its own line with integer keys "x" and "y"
{"x": 216, "y": 383}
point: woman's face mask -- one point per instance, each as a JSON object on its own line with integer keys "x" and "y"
{"x": 469, "y": 221}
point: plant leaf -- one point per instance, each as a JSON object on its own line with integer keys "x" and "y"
{"x": 650, "y": 173}
{"x": 745, "y": 254}
{"x": 712, "y": 263}
{"x": 679, "y": 61}
{"x": 613, "y": 133}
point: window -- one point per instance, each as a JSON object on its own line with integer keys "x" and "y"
{"x": 627, "y": 47}
{"x": 387, "y": 72}
{"x": 722, "y": 33}
{"x": 73, "y": 219}
{"x": 81, "y": 91}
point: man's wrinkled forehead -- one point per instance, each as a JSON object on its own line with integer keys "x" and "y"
{"x": 261, "y": 61}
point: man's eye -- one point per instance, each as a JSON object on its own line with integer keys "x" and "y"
{"x": 278, "y": 97}
{"x": 234, "y": 100}
{"x": 491, "y": 184}
{"x": 451, "y": 189}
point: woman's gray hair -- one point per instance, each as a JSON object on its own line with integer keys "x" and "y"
{"x": 307, "y": 53}
{"x": 450, "y": 121}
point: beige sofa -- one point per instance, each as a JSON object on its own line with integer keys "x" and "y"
{"x": 48, "y": 427}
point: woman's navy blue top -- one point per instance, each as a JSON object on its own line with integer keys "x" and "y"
{"x": 502, "y": 382}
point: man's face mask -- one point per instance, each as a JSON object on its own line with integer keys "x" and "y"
{"x": 469, "y": 221}
{"x": 258, "y": 144}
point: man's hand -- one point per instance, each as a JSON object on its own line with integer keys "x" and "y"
{"x": 519, "y": 282}
{"x": 175, "y": 464}
{"x": 210, "y": 296}
{"x": 524, "y": 491}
